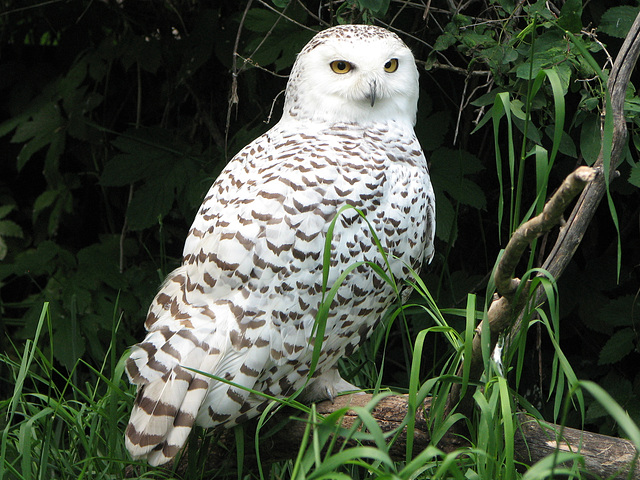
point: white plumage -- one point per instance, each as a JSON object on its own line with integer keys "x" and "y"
{"x": 243, "y": 303}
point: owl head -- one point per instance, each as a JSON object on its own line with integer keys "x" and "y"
{"x": 355, "y": 74}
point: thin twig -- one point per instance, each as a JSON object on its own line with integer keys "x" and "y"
{"x": 453, "y": 68}
{"x": 233, "y": 95}
{"x": 249, "y": 61}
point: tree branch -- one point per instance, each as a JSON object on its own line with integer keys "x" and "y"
{"x": 551, "y": 215}
{"x": 571, "y": 236}
{"x": 507, "y": 306}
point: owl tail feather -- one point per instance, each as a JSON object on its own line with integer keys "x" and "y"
{"x": 169, "y": 395}
{"x": 163, "y": 415}
{"x": 172, "y": 398}
{"x": 167, "y": 407}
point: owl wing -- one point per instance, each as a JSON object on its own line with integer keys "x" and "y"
{"x": 234, "y": 307}
{"x": 242, "y": 305}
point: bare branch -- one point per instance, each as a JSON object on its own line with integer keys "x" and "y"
{"x": 506, "y": 307}
{"x": 571, "y": 236}
{"x": 506, "y": 285}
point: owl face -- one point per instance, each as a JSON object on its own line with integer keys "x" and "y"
{"x": 356, "y": 74}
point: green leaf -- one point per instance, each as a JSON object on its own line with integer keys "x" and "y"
{"x": 149, "y": 156}
{"x": 590, "y": 139}
{"x": 446, "y": 215}
{"x": 45, "y": 127}
{"x": 470, "y": 194}
{"x": 379, "y": 7}
{"x": 46, "y": 120}
{"x": 295, "y": 42}
{"x": 143, "y": 50}
{"x": 147, "y": 153}
{"x": 9, "y": 228}
{"x": 570, "y": 16}
{"x": 52, "y": 160}
{"x": 69, "y": 86}
{"x": 530, "y": 69}
{"x": 507, "y": 5}
{"x": 260, "y": 20}
{"x": 459, "y": 161}
{"x": 274, "y": 51}
{"x": 149, "y": 203}
{"x": 125, "y": 169}
{"x": 444, "y": 41}
{"x": 621, "y": 312}
{"x": 6, "y": 210}
{"x": 40, "y": 261}
{"x": 44, "y": 200}
{"x": 135, "y": 140}
{"x": 617, "y": 347}
{"x": 567, "y": 145}
{"x": 617, "y": 21}
{"x": 634, "y": 176}
{"x": 432, "y": 130}
{"x": 475, "y": 40}
{"x": 9, "y": 125}
{"x": 487, "y": 99}
{"x": 448, "y": 169}
{"x": 99, "y": 263}
{"x": 67, "y": 335}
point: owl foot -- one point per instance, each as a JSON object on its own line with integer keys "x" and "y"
{"x": 326, "y": 387}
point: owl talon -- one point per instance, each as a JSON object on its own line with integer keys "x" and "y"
{"x": 330, "y": 394}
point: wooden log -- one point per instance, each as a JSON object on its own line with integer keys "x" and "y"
{"x": 604, "y": 456}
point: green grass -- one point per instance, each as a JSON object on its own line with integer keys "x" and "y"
{"x": 55, "y": 428}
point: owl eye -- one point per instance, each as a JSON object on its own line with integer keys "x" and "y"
{"x": 391, "y": 66}
{"x": 340, "y": 66}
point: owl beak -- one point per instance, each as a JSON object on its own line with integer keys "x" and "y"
{"x": 372, "y": 91}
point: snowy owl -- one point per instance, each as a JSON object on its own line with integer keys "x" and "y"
{"x": 243, "y": 303}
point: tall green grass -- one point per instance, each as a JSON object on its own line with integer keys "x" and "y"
{"x": 55, "y": 427}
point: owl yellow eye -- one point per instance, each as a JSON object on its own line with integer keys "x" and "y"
{"x": 391, "y": 66}
{"x": 341, "y": 66}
